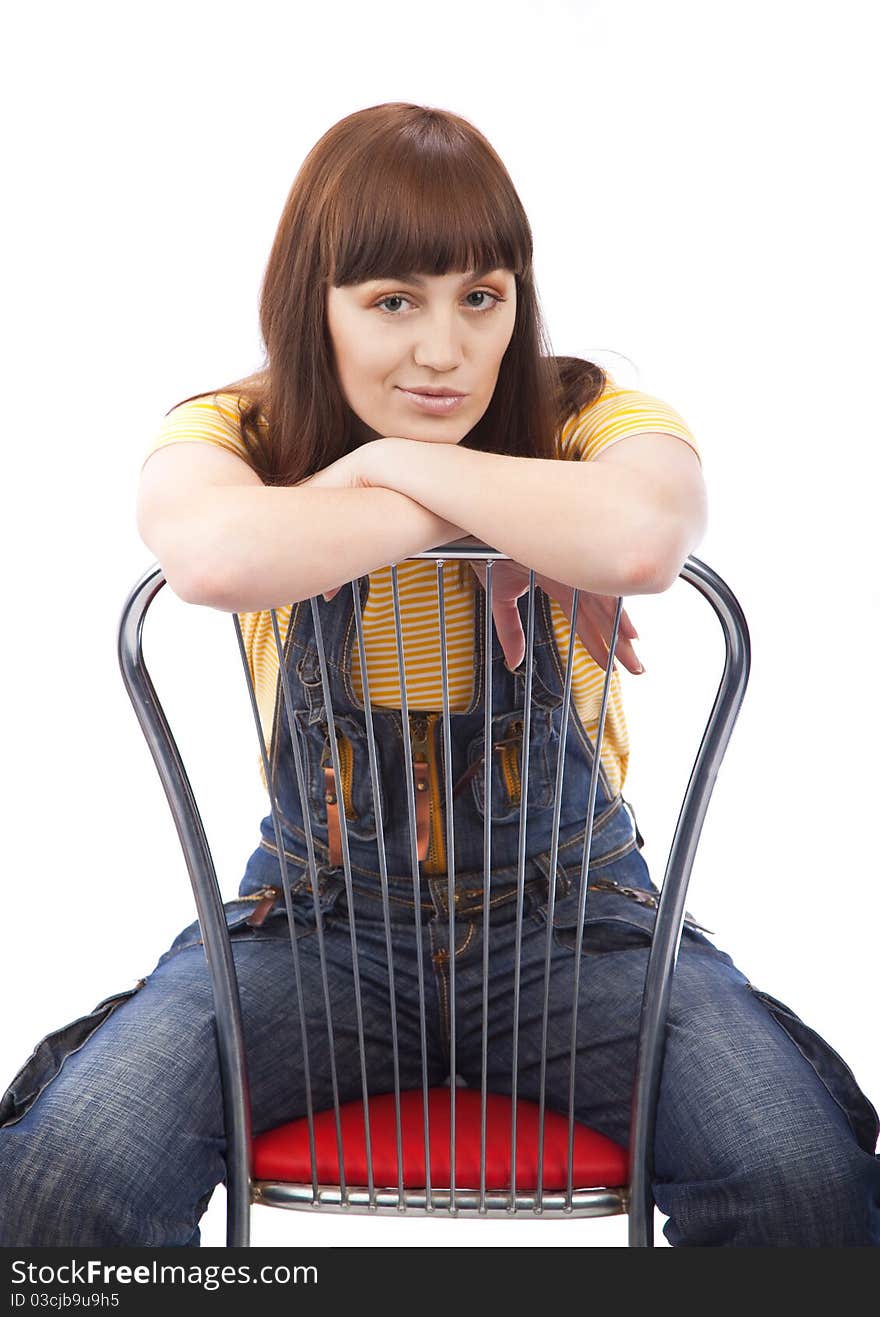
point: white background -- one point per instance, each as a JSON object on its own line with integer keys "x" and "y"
{"x": 699, "y": 182}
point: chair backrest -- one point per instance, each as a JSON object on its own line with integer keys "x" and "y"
{"x": 635, "y": 1195}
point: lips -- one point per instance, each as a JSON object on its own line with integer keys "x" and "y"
{"x": 434, "y": 393}
{"x": 440, "y": 403}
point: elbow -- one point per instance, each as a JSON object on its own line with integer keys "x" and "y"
{"x": 657, "y": 577}
{"x": 188, "y": 578}
{"x": 657, "y": 570}
{"x": 666, "y": 550}
{"x": 190, "y": 547}
{"x": 189, "y": 585}
{"x": 178, "y": 566}
{"x": 648, "y": 575}
{"x": 189, "y": 588}
{"x": 211, "y": 590}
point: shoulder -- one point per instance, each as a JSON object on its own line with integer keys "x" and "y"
{"x": 616, "y": 413}
{"x": 213, "y": 418}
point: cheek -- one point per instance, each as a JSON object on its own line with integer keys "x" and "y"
{"x": 362, "y": 368}
{"x": 367, "y": 356}
{"x": 498, "y": 343}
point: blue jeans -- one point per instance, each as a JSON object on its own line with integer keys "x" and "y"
{"x": 112, "y": 1132}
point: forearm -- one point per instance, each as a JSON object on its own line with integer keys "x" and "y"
{"x": 272, "y": 545}
{"x": 585, "y": 524}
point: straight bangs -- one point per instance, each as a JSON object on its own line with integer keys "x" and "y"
{"x": 431, "y": 213}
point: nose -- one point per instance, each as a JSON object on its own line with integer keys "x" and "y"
{"x": 438, "y": 342}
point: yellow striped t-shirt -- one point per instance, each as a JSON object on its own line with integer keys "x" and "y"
{"x": 616, "y": 413}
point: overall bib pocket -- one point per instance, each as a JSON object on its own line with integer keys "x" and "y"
{"x": 507, "y": 754}
{"x": 51, "y": 1052}
{"x": 354, "y": 770}
{"x": 831, "y": 1069}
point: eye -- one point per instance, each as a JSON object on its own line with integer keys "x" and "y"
{"x": 477, "y": 292}
{"x": 484, "y": 292}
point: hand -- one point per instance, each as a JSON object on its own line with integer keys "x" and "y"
{"x": 351, "y": 471}
{"x": 593, "y": 623}
{"x": 361, "y": 469}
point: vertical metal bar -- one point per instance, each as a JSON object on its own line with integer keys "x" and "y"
{"x": 312, "y": 869}
{"x": 417, "y": 890}
{"x": 383, "y": 875}
{"x": 282, "y": 859}
{"x": 285, "y": 877}
{"x": 520, "y": 878}
{"x": 582, "y": 901}
{"x": 346, "y": 861}
{"x": 487, "y": 863}
{"x": 551, "y": 902}
{"x": 450, "y": 874}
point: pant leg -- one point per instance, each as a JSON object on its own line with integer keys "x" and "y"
{"x": 763, "y": 1136}
{"x": 124, "y": 1143}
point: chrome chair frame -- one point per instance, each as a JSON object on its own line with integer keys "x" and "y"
{"x": 636, "y": 1198}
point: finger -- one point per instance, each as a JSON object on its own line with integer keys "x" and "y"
{"x": 508, "y": 628}
{"x": 627, "y": 627}
{"x": 625, "y": 652}
{"x": 608, "y": 603}
{"x": 597, "y": 646}
{"x": 597, "y": 641}
{"x": 590, "y": 637}
{"x": 624, "y": 649}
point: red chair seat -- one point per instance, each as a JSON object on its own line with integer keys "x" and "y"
{"x": 283, "y": 1153}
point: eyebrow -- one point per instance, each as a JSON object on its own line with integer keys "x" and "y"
{"x": 420, "y": 281}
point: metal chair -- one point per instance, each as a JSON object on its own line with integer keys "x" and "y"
{"x": 602, "y": 1178}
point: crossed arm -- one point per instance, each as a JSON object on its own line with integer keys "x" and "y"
{"x": 622, "y": 523}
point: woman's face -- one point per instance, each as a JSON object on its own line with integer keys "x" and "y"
{"x": 441, "y": 332}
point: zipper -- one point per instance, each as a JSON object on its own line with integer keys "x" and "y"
{"x": 422, "y": 737}
{"x": 346, "y": 771}
{"x": 511, "y": 754}
{"x": 511, "y": 757}
{"x": 641, "y": 896}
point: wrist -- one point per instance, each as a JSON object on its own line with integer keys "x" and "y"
{"x": 374, "y": 466}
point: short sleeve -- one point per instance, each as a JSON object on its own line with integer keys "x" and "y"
{"x": 212, "y": 420}
{"x": 615, "y": 414}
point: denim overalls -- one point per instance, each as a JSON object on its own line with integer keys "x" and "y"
{"x": 614, "y": 835}
{"x": 763, "y": 1135}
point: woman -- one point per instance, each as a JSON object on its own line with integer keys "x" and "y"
{"x": 402, "y": 263}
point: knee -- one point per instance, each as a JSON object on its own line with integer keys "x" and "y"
{"x": 806, "y": 1197}
{"x": 817, "y": 1197}
{"x": 104, "y": 1185}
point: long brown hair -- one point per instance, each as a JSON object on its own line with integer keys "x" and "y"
{"x": 390, "y": 190}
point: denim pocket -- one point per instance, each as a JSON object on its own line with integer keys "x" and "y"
{"x": 831, "y": 1069}
{"x": 507, "y": 754}
{"x": 354, "y": 770}
{"x": 611, "y": 922}
{"x": 274, "y": 924}
{"x": 51, "y": 1052}
{"x": 617, "y": 916}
